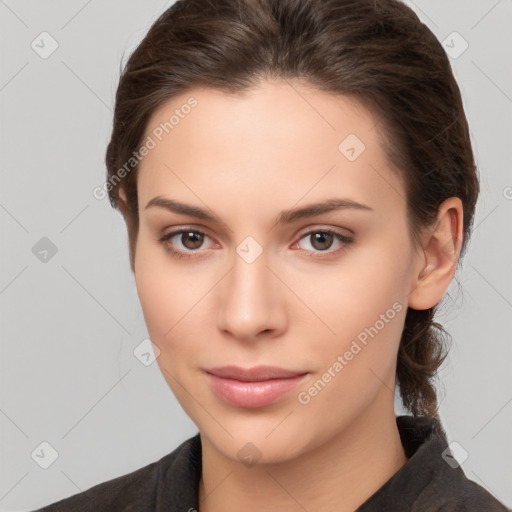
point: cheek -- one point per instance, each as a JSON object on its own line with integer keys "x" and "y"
{"x": 364, "y": 288}
{"x": 365, "y": 308}
{"x": 357, "y": 360}
{"x": 162, "y": 293}
{"x": 171, "y": 297}
{"x": 160, "y": 288}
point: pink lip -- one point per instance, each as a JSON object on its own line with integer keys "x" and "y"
{"x": 252, "y": 387}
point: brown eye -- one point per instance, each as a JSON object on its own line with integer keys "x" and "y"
{"x": 183, "y": 243}
{"x": 192, "y": 239}
{"x": 321, "y": 240}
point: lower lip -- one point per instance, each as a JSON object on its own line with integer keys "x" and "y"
{"x": 252, "y": 394}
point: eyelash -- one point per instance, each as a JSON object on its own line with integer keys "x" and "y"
{"x": 182, "y": 255}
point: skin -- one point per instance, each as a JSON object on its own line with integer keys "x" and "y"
{"x": 245, "y": 159}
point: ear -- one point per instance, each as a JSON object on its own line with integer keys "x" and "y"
{"x": 131, "y": 226}
{"x": 122, "y": 201}
{"x": 441, "y": 246}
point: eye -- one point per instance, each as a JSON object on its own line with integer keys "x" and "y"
{"x": 322, "y": 239}
{"x": 190, "y": 239}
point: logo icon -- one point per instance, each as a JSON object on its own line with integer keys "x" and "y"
{"x": 249, "y": 249}
{"x": 455, "y": 45}
{"x": 146, "y": 352}
{"x": 44, "y": 45}
{"x": 44, "y": 455}
{"x": 351, "y": 147}
{"x": 44, "y": 250}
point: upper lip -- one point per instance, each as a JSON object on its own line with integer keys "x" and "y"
{"x": 256, "y": 373}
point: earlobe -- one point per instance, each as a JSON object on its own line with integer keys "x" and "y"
{"x": 122, "y": 201}
{"x": 132, "y": 228}
{"x": 441, "y": 249}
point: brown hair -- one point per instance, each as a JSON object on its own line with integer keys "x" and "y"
{"x": 377, "y": 51}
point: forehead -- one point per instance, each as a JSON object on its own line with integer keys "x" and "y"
{"x": 280, "y": 140}
{"x": 287, "y": 110}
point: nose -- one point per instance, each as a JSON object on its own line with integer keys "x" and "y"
{"x": 250, "y": 301}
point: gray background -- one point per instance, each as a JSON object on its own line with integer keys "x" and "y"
{"x": 70, "y": 324}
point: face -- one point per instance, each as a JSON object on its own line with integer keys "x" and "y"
{"x": 252, "y": 278}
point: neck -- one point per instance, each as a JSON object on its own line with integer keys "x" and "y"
{"x": 339, "y": 475}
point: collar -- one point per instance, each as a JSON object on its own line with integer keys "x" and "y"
{"x": 426, "y": 482}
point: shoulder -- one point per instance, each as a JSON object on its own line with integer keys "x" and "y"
{"x": 135, "y": 487}
{"x": 431, "y": 479}
{"x": 471, "y": 497}
{"x": 448, "y": 486}
{"x": 137, "y": 491}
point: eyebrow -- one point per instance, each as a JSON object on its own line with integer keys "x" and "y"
{"x": 285, "y": 217}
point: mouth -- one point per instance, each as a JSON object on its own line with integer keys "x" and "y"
{"x": 253, "y": 387}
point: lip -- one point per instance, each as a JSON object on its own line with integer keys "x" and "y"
{"x": 257, "y": 373}
{"x": 252, "y": 387}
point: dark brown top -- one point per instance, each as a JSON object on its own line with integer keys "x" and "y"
{"x": 431, "y": 480}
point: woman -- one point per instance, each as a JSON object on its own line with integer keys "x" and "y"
{"x": 298, "y": 185}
